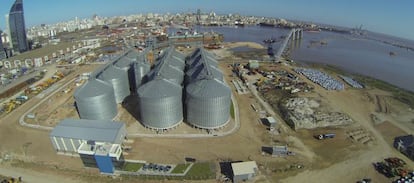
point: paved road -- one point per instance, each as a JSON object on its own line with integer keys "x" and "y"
{"x": 269, "y": 109}
{"x": 23, "y": 123}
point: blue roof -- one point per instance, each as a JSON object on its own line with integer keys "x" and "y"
{"x": 96, "y": 130}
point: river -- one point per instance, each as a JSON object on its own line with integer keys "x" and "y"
{"x": 350, "y": 53}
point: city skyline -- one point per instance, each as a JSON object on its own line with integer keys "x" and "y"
{"x": 379, "y": 16}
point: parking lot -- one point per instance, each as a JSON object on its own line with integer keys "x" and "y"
{"x": 156, "y": 169}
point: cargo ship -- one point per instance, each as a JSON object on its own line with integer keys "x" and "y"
{"x": 315, "y": 30}
{"x": 266, "y": 24}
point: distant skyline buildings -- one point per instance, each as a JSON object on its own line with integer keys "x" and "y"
{"x": 381, "y": 16}
{"x": 17, "y": 28}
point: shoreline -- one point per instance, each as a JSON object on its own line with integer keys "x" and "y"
{"x": 403, "y": 95}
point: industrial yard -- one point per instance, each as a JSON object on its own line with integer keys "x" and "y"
{"x": 357, "y": 144}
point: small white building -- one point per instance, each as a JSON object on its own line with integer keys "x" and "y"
{"x": 244, "y": 171}
{"x": 272, "y": 122}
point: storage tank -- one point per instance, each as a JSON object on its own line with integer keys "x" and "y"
{"x": 194, "y": 62}
{"x": 133, "y": 55}
{"x": 193, "y": 55}
{"x": 119, "y": 80}
{"x": 126, "y": 64}
{"x": 200, "y": 71}
{"x": 211, "y": 60}
{"x": 172, "y": 73}
{"x": 95, "y": 100}
{"x": 140, "y": 70}
{"x": 208, "y": 103}
{"x": 176, "y": 62}
{"x": 216, "y": 72}
{"x": 160, "y": 104}
{"x": 196, "y": 73}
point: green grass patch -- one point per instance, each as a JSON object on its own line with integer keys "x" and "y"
{"x": 180, "y": 168}
{"x": 201, "y": 171}
{"x": 232, "y": 110}
{"x": 399, "y": 94}
{"x": 132, "y": 167}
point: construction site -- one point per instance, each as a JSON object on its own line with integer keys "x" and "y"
{"x": 207, "y": 106}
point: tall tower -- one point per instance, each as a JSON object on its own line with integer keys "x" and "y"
{"x": 9, "y": 41}
{"x": 198, "y": 16}
{"x": 2, "y": 51}
{"x": 17, "y": 27}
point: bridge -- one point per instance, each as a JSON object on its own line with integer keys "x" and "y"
{"x": 294, "y": 34}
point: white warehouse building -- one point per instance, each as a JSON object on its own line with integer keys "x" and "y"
{"x": 69, "y": 134}
{"x": 244, "y": 171}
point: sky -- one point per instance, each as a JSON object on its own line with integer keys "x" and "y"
{"x": 383, "y": 16}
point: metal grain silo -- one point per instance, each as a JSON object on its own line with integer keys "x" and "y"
{"x": 193, "y": 55}
{"x": 208, "y": 103}
{"x": 119, "y": 80}
{"x": 160, "y": 104}
{"x": 133, "y": 55}
{"x": 216, "y": 73}
{"x": 194, "y": 62}
{"x": 176, "y": 62}
{"x": 196, "y": 73}
{"x": 95, "y": 100}
{"x": 172, "y": 73}
{"x": 140, "y": 70}
{"x": 126, "y": 64}
{"x": 201, "y": 71}
{"x": 210, "y": 60}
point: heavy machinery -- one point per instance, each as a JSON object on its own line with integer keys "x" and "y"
{"x": 261, "y": 80}
{"x": 10, "y": 106}
{"x": 391, "y": 167}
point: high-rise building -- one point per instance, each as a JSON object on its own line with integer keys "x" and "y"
{"x": 198, "y": 16}
{"x": 2, "y": 51}
{"x": 17, "y": 27}
{"x": 7, "y": 31}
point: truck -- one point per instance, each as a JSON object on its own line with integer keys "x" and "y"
{"x": 325, "y": 136}
{"x": 22, "y": 98}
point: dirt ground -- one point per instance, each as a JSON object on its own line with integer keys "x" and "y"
{"x": 340, "y": 159}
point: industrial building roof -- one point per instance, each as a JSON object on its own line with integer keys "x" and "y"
{"x": 242, "y": 168}
{"x": 96, "y": 130}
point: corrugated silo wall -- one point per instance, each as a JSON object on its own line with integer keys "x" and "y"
{"x": 208, "y": 113}
{"x": 119, "y": 80}
{"x": 161, "y": 113}
{"x": 140, "y": 70}
{"x": 99, "y": 107}
{"x": 205, "y": 112}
